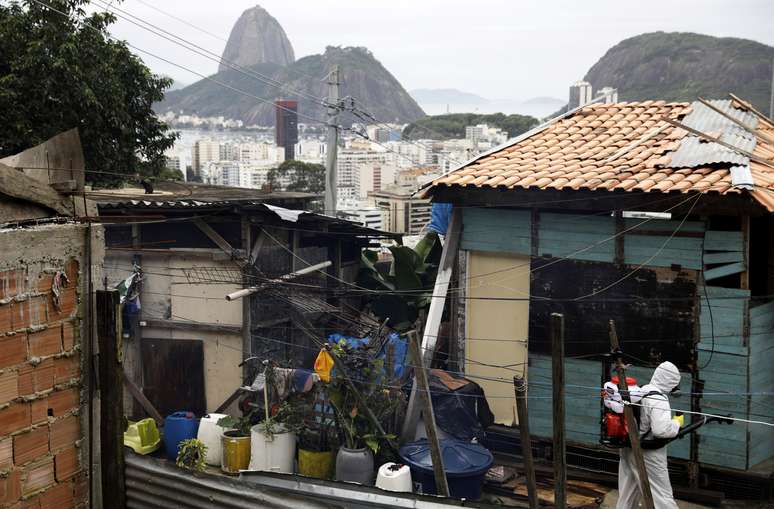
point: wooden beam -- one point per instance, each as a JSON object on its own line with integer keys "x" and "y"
{"x": 744, "y": 282}
{"x": 752, "y": 108}
{"x": 520, "y": 392}
{"x": 215, "y": 237}
{"x": 138, "y": 395}
{"x": 16, "y": 184}
{"x": 111, "y": 397}
{"x": 260, "y": 242}
{"x": 557, "y": 383}
{"x": 738, "y": 122}
{"x": 631, "y": 422}
{"x": 192, "y": 326}
{"x": 420, "y": 380}
{"x": 433, "y": 323}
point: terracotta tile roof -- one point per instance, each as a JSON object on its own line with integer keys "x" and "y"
{"x": 630, "y": 147}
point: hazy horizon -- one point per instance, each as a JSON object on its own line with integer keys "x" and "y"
{"x": 496, "y": 49}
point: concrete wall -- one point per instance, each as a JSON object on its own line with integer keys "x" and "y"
{"x": 43, "y": 396}
{"x": 168, "y": 295}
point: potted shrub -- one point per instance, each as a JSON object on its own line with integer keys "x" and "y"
{"x": 191, "y": 454}
{"x": 316, "y": 440}
{"x": 236, "y": 443}
{"x": 273, "y": 441}
{"x": 359, "y": 383}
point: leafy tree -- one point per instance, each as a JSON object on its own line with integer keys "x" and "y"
{"x": 453, "y": 125}
{"x": 58, "y": 72}
{"x": 298, "y": 176}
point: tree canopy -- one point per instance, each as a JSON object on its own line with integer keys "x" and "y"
{"x": 453, "y": 125}
{"x": 63, "y": 71}
{"x": 298, "y": 176}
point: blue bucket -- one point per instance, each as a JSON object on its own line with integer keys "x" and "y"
{"x": 178, "y": 426}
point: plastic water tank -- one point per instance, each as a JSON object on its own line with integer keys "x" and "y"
{"x": 394, "y": 477}
{"x": 275, "y": 453}
{"x": 178, "y": 426}
{"x": 465, "y": 465}
{"x": 210, "y": 434}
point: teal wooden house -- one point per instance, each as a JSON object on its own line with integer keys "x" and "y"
{"x": 655, "y": 215}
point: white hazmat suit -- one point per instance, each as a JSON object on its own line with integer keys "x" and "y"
{"x": 655, "y": 421}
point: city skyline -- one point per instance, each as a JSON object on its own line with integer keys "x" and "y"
{"x": 551, "y": 44}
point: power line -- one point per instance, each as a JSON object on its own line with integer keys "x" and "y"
{"x": 184, "y": 43}
{"x": 154, "y": 55}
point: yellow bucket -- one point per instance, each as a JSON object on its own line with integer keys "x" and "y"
{"x": 236, "y": 452}
{"x": 316, "y": 464}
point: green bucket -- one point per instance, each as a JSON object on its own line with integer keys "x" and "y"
{"x": 316, "y": 464}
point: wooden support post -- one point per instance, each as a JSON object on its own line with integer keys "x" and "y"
{"x": 247, "y": 337}
{"x": 111, "y": 389}
{"x": 133, "y": 345}
{"x": 420, "y": 380}
{"x": 631, "y": 422}
{"x": 433, "y": 322}
{"x": 142, "y": 400}
{"x": 560, "y": 446}
{"x": 520, "y": 390}
{"x": 744, "y": 282}
{"x": 620, "y": 239}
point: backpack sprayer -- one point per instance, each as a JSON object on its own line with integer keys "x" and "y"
{"x": 615, "y": 431}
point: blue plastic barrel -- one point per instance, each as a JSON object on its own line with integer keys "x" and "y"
{"x": 465, "y": 465}
{"x": 178, "y": 426}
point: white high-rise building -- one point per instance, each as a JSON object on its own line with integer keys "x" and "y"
{"x": 202, "y": 152}
{"x": 580, "y": 94}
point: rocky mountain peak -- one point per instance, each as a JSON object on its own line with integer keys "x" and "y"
{"x": 257, "y": 38}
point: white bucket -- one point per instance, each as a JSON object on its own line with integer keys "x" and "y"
{"x": 210, "y": 434}
{"x": 272, "y": 454}
{"x": 394, "y": 477}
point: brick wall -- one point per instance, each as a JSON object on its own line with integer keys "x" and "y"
{"x": 40, "y": 388}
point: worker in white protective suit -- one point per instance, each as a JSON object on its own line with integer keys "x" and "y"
{"x": 655, "y": 421}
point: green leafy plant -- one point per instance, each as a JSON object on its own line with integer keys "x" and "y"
{"x": 285, "y": 420}
{"x": 361, "y": 383}
{"x": 191, "y": 454}
{"x": 408, "y": 285}
{"x": 241, "y": 425}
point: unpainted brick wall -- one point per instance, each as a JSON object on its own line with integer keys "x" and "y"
{"x": 40, "y": 387}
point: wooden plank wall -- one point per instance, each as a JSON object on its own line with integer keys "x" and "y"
{"x": 583, "y": 404}
{"x": 761, "y": 380}
{"x": 583, "y": 237}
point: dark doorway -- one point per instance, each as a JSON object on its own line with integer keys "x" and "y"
{"x": 173, "y": 375}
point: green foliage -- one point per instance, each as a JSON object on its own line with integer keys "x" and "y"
{"x": 453, "y": 125}
{"x": 409, "y": 281}
{"x": 191, "y": 455}
{"x": 303, "y": 177}
{"x": 57, "y": 73}
{"x": 682, "y": 66}
{"x": 241, "y": 425}
{"x": 360, "y": 374}
{"x": 287, "y": 419}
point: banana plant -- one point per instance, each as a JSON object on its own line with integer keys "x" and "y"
{"x": 401, "y": 292}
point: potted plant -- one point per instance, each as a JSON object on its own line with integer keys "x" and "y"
{"x": 273, "y": 441}
{"x": 316, "y": 439}
{"x": 236, "y": 443}
{"x": 360, "y": 399}
{"x": 191, "y": 454}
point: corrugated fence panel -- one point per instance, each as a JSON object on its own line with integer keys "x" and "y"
{"x": 500, "y": 230}
{"x": 576, "y": 236}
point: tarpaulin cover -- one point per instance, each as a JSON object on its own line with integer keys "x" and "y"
{"x": 459, "y": 405}
{"x": 399, "y": 350}
{"x": 440, "y": 215}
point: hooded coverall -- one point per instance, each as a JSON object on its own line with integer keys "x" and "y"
{"x": 655, "y": 420}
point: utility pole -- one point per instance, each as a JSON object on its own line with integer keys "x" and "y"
{"x": 332, "y": 141}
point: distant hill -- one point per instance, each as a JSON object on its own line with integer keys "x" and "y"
{"x": 362, "y": 76}
{"x": 446, "y": 96}
{"x": 683, "y": 66}
{"x": 453, "y": 125}
{"x": 258, "y": 44}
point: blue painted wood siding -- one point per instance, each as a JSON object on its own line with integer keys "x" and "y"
{"x": 582, "y": 237}
{"x": 761, "y": 380}
{"x": 582, "y": 399}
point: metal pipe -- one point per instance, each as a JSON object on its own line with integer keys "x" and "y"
{"x": 244, "y": 292}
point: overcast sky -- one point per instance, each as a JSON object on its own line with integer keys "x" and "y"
{"x": 500, "y": 49}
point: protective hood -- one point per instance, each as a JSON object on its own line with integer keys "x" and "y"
{"x": 666, "y": 377}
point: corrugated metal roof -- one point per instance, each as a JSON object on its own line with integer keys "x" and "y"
{"x": 694, "y": 151}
